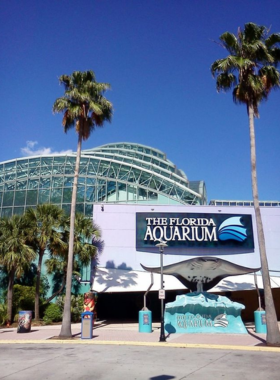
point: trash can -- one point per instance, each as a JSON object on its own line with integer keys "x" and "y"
{"x": 260, "y": 321}
{"x": 24, "y": 321}
{"x": 87, "y": 324}
{"x": 145, "y": 321}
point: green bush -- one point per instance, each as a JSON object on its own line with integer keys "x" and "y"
{"x": 3, "y": 313}
{"x": 77, "y": 306}
{"x": 52, "y": 314}
{"x": 23, "y": 298}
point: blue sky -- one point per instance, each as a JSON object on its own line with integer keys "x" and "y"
{"x": 156, "y": 54}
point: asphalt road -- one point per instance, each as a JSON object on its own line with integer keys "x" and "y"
{"x": 119, "y": 362}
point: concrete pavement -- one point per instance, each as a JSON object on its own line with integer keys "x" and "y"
{"x": 105, "y": 332}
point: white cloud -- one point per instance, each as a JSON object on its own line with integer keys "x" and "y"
{"x": 29, "y": 150}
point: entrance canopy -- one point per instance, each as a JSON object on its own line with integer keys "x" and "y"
{"x": 117, "y": 281}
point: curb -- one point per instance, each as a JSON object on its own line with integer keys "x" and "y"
{"x": 147, "y": 344}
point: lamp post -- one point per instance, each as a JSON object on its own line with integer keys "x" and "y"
{"x": 161, "y": 245}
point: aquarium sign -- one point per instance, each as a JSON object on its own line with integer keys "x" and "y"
{"x": 194, "y": 230}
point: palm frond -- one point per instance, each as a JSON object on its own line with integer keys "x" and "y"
{"x": 272, "y": 40}
{"x": 230, "y": 42}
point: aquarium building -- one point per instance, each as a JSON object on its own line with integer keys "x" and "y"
{"x": 137, "y": 195}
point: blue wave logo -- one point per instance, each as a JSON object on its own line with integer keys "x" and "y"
{"x": 232, "y": 229}
{"x": 221, "y": 321}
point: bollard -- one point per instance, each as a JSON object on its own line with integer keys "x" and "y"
{"x": 145, "y": 321}
{"x": 260, "y": 322}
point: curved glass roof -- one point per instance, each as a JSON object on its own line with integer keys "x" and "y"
{"x": 118, "y": 173}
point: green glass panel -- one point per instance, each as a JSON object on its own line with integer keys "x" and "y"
{"x": 66, "y": 208}
{"x": 93, "y": 168}
{"x": 68, "y": 181}
{"x": 80, "y": 193}
{"x": 111, "y": 191}
{"x": 33, "y": 184}
{"x": 56, "y": 195}
{"x": 91, "y": 180}
{"x": 20, "y": 198}
{"x": 88, "y": 209}
{"x": 10, "y": 186}
{"x": 70, "y": 165}
{"x": 31, "y": 197}
{"x": 67, "y": 195}
{"x": 18, "y": 210}
{"x": 47, "y": 161}
{"x": 34, "y": 172}
{"x": 22, "y": 174}
{"x": 101, "y": 193}
{"x": 59, "y": 160}
{"x": 8, "y": 198}
{"x": 44, "y": 196}
{"x": 121, "y": 193}
{"x": 7, "y": 212}
{"x": 90, "y": 192}
{"x": 124, "y": 173}
{"x": 81, "y": 180}
{"x": 57, "y": 181}
{"x": 80, "y": 208}
{"x": 58, "y": 169}
{"x": 103, "y": 169}
{"x": 21, "y": 185}
{"x": 45, "y": 183}
{"x": 1, "y": 197}
{"x": 131, "y": 193}
{"x": 10, "y": 176}
{"x": 10, "y": 166}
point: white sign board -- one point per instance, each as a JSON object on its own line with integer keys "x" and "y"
{"x": 161, "y": 294}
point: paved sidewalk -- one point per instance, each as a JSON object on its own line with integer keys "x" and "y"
{"x": 127, "y": 334}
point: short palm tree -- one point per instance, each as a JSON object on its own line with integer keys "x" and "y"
{"x": 45, "y": 230}
{"x": 85, "y": 108}
{"x": 250, "y": 70}
{"x": 15, "y": 254}
{"x": 87, "y": 246}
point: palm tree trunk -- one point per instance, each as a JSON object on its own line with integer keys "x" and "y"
{"x": 37, "y": 290}
{"x": 273, "y": 334}
{"x": 10, "y": 297}
{"x": 65, "y": 331}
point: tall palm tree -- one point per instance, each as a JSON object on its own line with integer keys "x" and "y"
{"x": 15, "y": 254}
{"x": 250, "y": 70}
{"x": 45, "y": 227}
{"x": 83, "y": 106}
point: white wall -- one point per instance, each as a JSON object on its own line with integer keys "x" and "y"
{"x": 118, "y": 225}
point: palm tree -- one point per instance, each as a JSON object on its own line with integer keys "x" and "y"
{"x": 45, "y": 226}
{"x": 15, "y": 254}
{"x": 87, "y": 245}
{"x": 250, "y": 70}
{"x": 83, "y": 106}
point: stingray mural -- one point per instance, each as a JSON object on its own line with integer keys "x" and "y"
{"x": 202, "y": 273}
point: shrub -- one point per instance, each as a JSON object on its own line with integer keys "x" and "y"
{"x": 52, "y": 314}
{"x": 77, "y": 306}
{"x": 23, "y": 298}
{"x": 3, "y": 313}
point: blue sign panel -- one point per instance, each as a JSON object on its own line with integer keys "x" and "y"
{"x": 195, "y": 231}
